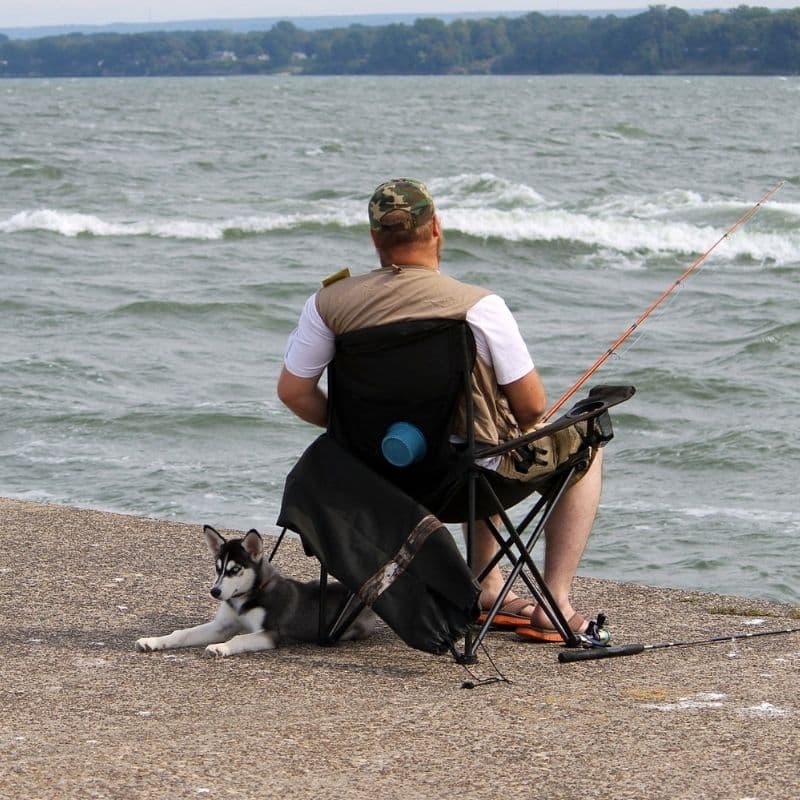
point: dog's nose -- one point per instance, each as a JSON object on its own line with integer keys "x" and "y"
{"x": 216, "y": 592}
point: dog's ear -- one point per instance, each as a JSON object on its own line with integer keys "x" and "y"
{"x": 214, "y": 539}
{"x": 253, "y": 544}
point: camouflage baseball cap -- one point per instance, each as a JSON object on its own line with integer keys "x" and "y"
{"x": 401, "y": 203}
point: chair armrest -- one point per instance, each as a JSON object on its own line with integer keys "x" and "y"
{"x": 600, "y": 399}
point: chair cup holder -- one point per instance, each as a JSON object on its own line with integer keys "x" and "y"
{"x": 587, "y": 406}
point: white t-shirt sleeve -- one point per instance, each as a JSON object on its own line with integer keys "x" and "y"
{"x": 311, "y": 344}
{"x": 498, "y": 339}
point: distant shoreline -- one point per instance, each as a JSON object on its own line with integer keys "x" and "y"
{"x": 659, "y": 41}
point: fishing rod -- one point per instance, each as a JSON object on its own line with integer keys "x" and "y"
{"x": 660, "y": 299}
{"x": 594, "y": 653}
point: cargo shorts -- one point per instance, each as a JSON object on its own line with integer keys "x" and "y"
{"x": 544, "y": 456}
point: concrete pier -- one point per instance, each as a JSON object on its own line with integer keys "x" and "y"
{"x": 86, "y": 716}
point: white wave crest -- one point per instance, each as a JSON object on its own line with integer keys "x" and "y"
{"x": 621, "y": 233}
{"x": 624, "y": 228}
{"x": 486, "y": 206}
{"x": 73, "y": 224}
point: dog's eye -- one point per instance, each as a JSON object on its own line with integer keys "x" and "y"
{"x": 234, "y": 569}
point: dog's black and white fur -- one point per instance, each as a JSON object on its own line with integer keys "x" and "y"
{"x": 258, "y": 604}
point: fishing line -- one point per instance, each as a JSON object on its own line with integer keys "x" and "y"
{"x": 642, "y": 332}
{"x": 595, "y": 653}
{"x": 658, "y": 301}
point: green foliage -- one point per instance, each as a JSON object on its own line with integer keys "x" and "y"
{"x": 661, "y": 40}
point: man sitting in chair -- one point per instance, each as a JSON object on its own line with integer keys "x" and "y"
{"x": 508, "y": 396}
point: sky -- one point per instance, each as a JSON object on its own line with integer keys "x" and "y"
{"x": 30, "y": 13}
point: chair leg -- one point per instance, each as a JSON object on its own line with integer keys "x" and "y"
{"x": 468, "y": 656}
{"x": 277, "y": 544}
{"x": 322, "y": 630}
{"x": 346, "y": 617}
{"x": 549, "y": 606}
{"x": 518, "y": 553}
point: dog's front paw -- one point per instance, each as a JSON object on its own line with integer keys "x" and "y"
{"x": 220, "y": 650}
{"x": 148, "y": 644}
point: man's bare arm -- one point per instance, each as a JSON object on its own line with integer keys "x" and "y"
{"x": 304, "y": 397}
{"x": 527, "y": 399}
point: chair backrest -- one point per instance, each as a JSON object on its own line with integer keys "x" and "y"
{"x": 417, "y": 372}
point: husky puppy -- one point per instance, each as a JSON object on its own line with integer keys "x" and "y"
{"x": 258, "y": 604}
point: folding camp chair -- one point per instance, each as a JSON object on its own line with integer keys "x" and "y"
{"x": 378, "y": 527}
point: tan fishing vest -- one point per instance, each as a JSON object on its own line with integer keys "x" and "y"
{"x": 399, "y": 294}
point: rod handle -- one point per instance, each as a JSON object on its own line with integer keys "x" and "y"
{"x": 592, "y": 654}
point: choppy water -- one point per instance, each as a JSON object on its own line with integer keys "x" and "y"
{"x": 158, "y": 237}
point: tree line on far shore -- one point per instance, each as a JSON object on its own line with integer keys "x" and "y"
{"x": 742, "y": 41}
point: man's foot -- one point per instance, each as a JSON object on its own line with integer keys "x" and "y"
{"x": 595, "y": 630}
{"x": 513, "y": 613}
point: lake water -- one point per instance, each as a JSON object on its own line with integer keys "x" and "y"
{"x": 159, "y": 236}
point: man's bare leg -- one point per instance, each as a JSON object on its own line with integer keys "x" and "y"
{"x": 566, "y": 535}
{"x": 484, "y": 549}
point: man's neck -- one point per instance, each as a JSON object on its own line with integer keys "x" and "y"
{"x": 399, "y": 267}
{"x": 411, "y": 258}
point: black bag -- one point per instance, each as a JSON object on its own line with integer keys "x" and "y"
{"x": 384, "y": 546}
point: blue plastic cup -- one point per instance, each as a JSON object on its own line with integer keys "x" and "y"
{"x": 403, "y": 444}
